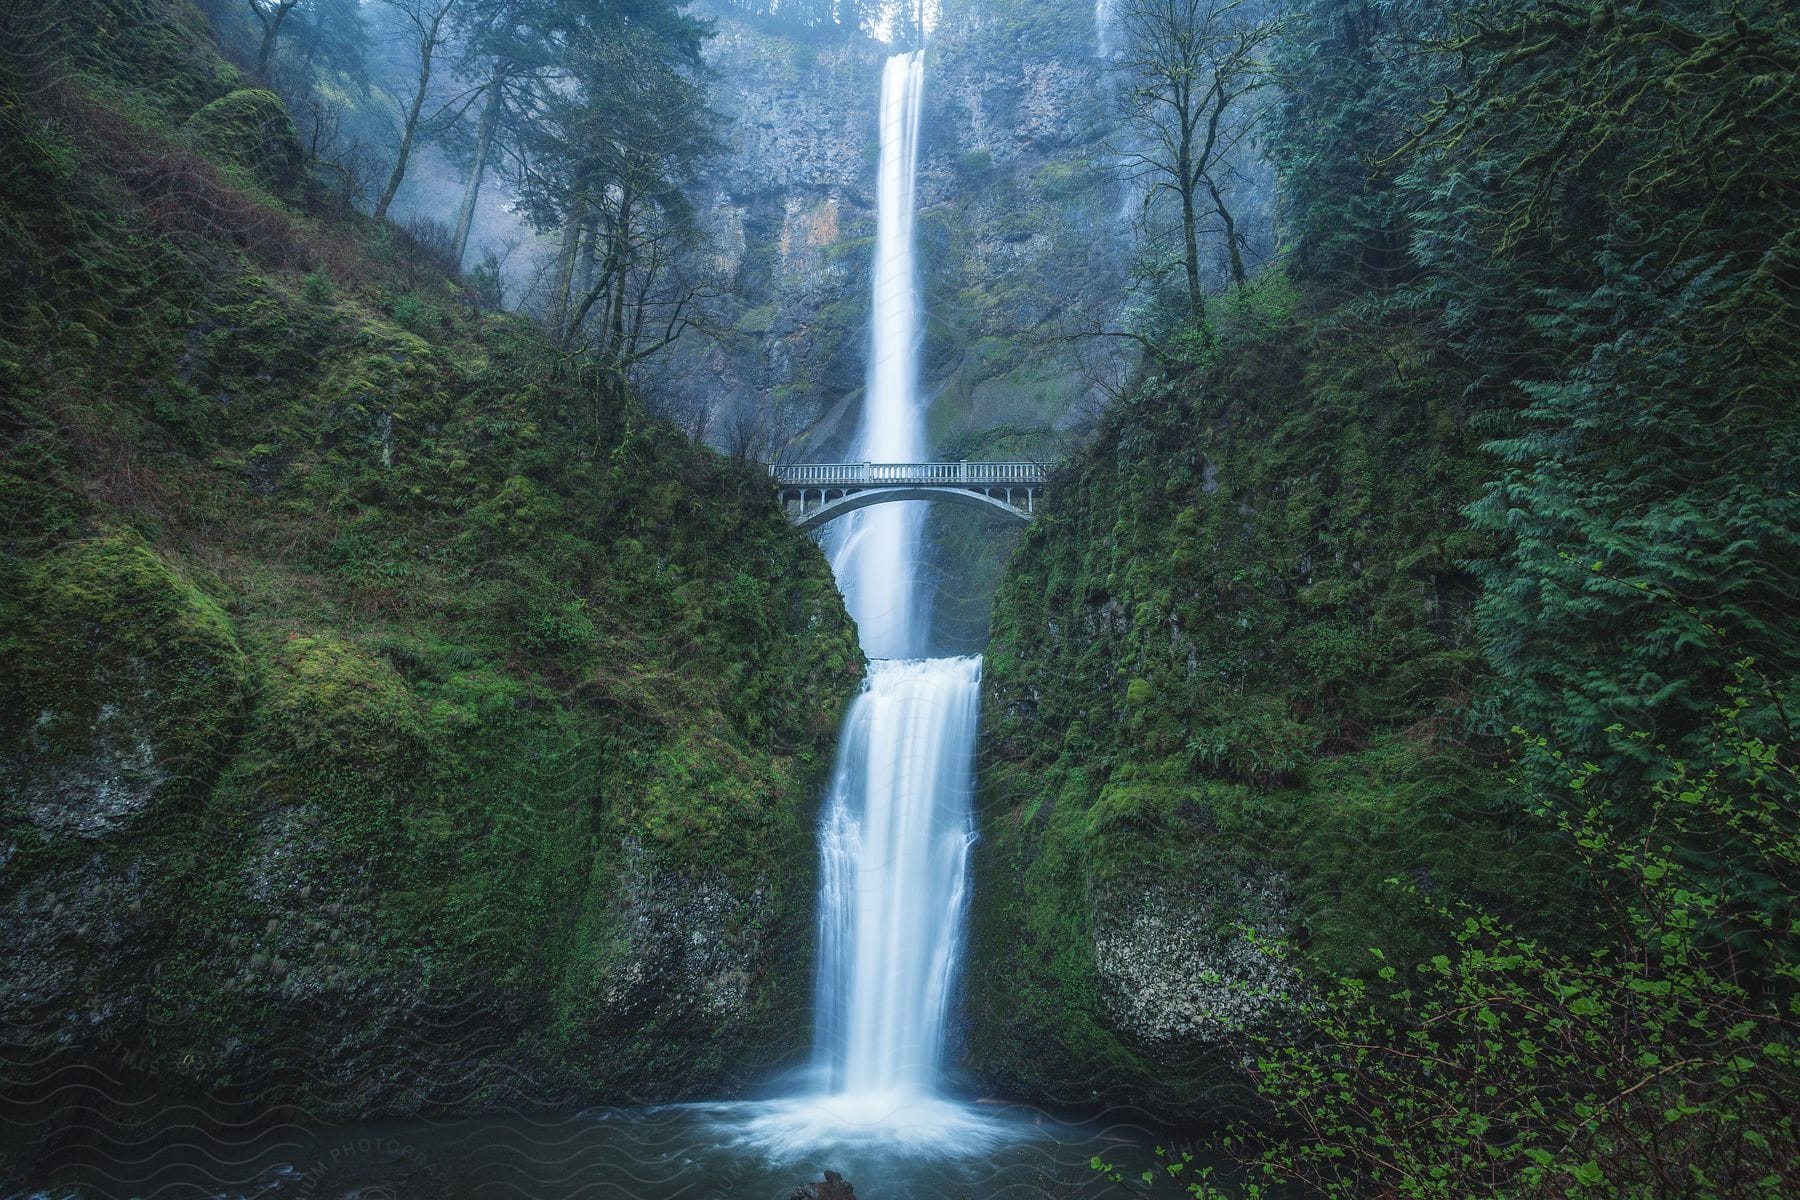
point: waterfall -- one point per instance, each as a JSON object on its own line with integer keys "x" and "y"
{"x": 875, "y": 552}
{"x": 894, "y": 856}
{"x": 895, "y": 835}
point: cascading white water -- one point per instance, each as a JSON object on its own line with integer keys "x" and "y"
{"x": 1103, "y": 27}
{"x": 875, "y": 552}
{"x": 894, "y": 851}
{"x": 895, "y": 835}
{"x": 895, "y": 839}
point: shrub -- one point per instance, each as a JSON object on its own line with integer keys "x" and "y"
{"x": 557, "y": 629}
{"x": 318, "y": 286}
{"x": 424, "y": 247}
{"x": 1661, "y": 1063}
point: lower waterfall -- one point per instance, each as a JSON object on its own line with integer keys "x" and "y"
{"x": 893, "y": 876}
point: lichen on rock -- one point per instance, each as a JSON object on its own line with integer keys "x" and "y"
{"x": 1181, "y": 969}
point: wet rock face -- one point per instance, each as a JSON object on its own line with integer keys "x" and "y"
{"x": 688, "y": 939}
{"x": 90, "y": 777}
{"x": 69, "y": 936}
{"x": 1178, "y": 973}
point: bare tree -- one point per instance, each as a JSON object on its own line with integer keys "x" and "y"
{"x": 426, "y": 22}
{"x": 746, "y": 432}
{"x": 270, "y": 14}
{"x": 331, "y": 152}
{"x": 1191, "y": 68}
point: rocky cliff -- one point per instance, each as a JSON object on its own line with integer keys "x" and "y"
{"x": 391, "y": 725}
{"x": 1018, "y": 226}
{"x": 1021, "y": 236}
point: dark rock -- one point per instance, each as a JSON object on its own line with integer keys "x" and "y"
{"x": 832, "y": 1187}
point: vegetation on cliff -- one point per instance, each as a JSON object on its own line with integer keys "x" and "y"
{"x": 1433, "y": 597}
{"x": 374, "y": 667}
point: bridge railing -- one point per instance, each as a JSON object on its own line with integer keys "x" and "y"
{"x": 871, "y": 474}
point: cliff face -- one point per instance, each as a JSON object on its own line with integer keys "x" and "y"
{"x": 1018, "y": 224}
{"x": 1225, "y": 702}
{"x": 389, "y": 725}
{"x": 791, "y": 220}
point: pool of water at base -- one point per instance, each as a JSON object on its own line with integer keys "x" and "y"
{"x": 924, "y": 1151}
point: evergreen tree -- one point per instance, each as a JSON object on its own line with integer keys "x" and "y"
{"x": 1637, "y": 172}
{"x": 613, "y": 141}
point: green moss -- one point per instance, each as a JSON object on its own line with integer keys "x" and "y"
{"x": 423, "y": 635}
{"x": 250, "y": 128}
{"x": 1233, "y": 649}
{"x": 758, "y": 320}
{"x": 338, "y": 710}
{"x": 104, "y": 625}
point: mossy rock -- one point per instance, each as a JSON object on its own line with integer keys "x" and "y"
{"x": 342, "y": 725}
{"x": 250, "y": 128}
{"x": 128, "y": 686}
{"x": 759, "y": 320}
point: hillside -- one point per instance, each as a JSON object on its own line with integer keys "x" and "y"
{"x": 1397, "y": 686}
{"x": 399, "y": 719}
{"x": 1226, "y": 692}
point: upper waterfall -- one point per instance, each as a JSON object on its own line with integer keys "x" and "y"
{"x": 875, "y": 554}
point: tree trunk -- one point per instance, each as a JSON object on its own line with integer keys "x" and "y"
{"x": 620, "y": 255}
{"x": 1238, "y": 274}
{"x": 428, "y": 40}
{"x": 271, "y": 27}
{"x": 1191, "y": 249}
{"x": 484, "y": 141}
{"x": 557, "y": 311}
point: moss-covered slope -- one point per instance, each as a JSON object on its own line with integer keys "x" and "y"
{"x": 1226, "y": 700}
{"x": 393, "y": 719}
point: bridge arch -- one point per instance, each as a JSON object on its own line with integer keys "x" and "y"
{"x": 819, "y": 493}
{"x": 849, "y": 502}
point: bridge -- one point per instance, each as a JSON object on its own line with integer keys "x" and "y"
{"x": 815, "y": 493}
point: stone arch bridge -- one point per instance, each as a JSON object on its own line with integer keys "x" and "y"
{"x": 815, "y": 493}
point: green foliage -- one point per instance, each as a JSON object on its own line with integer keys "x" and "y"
{"x": 423, "y": 626}
{"x": 1507, "y": 1067}
{"x": 318, "y": 287}
{"x": 1233, "y": 649}
{"x": 326, "y": 702}
{"x": 1350, "y": 85}
{"x": 1601, "y": 528}
{"x": 560, "y": 629}
{"x": 1646, "y": 486}
{"x": 409, "y": 310}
